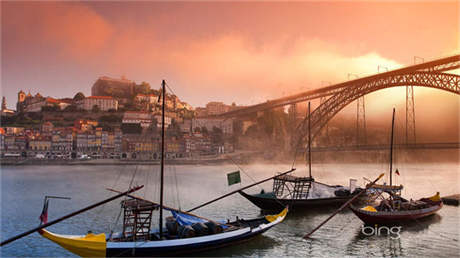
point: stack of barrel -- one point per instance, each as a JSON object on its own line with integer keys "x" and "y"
{"x": 196, "y": 229}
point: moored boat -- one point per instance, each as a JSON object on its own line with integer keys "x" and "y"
{"x": 185, "y": 233}
{"x": 392, "y": 208}
{"x": 302, "y": 192}
{"x": 183, "y": 241}
{"x": 406, "y": 212}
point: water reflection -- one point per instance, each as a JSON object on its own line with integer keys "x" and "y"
{"x": 434, "y": 236}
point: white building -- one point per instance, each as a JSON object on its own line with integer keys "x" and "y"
{"x": 37, "y": 106}
{"x": 168, "y": 120}
{"x": 104, "y": 103}
{"x": 137, "y": 117}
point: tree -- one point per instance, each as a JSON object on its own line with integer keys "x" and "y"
{"x": 79, "y": 96}
{"x": 110, "y": 119}
{"x": 174, "y": 129}
{"x": 204, "y": 130}
{"x": 71, "y": 108}
{"x": 217, "y": 136}
{"x": 131, "y": 128}
{"x": 95, "y": 109}
{"x": 143, "y": 88}
{"x": 52, "y": 108}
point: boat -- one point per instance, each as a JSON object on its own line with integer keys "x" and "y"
{"x": 302, "y": 191}
{"x": 182, "y": 232}
{"x": 392, "y": 208}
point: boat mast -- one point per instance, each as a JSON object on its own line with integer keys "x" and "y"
{"x": 309, "y": 141}
{"x": 391, "y": 147}
{"x": 163, "y": 93}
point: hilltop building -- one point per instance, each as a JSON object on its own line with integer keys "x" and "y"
{"x": 5, "y": 111}
{"x": 104, "y": 103}
{"x": 120, "y": 89}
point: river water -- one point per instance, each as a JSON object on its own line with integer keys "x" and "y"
{"x": 23, "y": 189}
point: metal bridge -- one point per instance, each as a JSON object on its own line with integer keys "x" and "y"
{"x": 429, "y": 74}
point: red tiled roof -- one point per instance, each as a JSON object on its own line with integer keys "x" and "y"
{"x": 99, "y": 97}
{"x": 52, "y": 100}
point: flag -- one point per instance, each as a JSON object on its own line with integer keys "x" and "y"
{"x": 233, "y": 178}
{"x": 44, "y": 215}
{"x": 397, "y": 172}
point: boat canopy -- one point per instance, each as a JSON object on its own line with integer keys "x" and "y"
{"x": 294, "y": 179}
{"x": 387, "y": 187}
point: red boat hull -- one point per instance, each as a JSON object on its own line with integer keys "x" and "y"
{"x": 396, "y": 217}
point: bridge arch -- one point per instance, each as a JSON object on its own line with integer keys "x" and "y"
{"x": 326, "y": 111}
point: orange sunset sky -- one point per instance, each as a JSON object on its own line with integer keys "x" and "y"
{"x": 243, "y": 52}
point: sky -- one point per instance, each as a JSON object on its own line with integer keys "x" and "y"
{"x": 242, "y": 52}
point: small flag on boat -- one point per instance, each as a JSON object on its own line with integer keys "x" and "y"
{"x": 397, "y": 172}
{"x": 44, "y": 215}
{"x": 234, "y": 178}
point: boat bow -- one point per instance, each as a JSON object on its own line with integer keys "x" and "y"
{"x": 89, "y": 245}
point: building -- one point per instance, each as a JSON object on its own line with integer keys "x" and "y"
{"x": 225, "y": 125}
{"x": 62, "y": 142}
{"x": 47, "y": 127}
{"x": 5, "y": 111}
{"x": 2, "y": 140}
{"x": 37, "y": 104}
{"x": 81, "y": 142}
{"x": 116, "y": 88}
{"x": 215, "y": 108}
{"x": 85, "y": 125}
{"x": 144, "y": 119}
{"x": 14, "y": 130}
{"x": 103, "y": 103}
{"x": 40, "y": 144}
{"x": 168, "y": 120}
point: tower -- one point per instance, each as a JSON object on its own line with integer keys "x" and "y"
{"x": 410, "y": 115}
{"x": 361, "y": 137}
{"x": 3, "y": 103}
{"x": 21, "y": 96}
{"x": 325, "y": 130}
{"x": 21, "y": 99}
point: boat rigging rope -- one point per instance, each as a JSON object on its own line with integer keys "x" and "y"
{"x": 177, "y": 188}
{"x": 99, "y": 214}
{"x": 242, "y": 170}
{"x": 132, "y": 178}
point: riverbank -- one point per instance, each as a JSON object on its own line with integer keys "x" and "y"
{"x": 103, "y": 162}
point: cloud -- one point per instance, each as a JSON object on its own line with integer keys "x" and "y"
{"x": 72, "y": 29}
{"x": 233, "y": 68}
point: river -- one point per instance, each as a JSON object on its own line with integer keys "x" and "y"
{"x": 23, "y": 189}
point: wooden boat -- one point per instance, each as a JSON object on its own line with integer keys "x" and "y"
{"x": 91, "y": 245}
{"x": 392, "y": 208}
{"x": 185, "y": 233}
{"x": 406, "y": 212}
{"x": 302, "y": 192}
{"x": 278, "y": 198}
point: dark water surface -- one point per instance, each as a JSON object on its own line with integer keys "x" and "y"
{"x": 23, "y": 189}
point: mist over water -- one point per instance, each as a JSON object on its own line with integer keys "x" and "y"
{"x": 186, "y": 186}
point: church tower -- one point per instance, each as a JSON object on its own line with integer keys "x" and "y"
{"x": 21, "y": 99}
{"x": 4, "y": 103}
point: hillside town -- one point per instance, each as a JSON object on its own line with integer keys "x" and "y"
{"x": 120, "y": 120}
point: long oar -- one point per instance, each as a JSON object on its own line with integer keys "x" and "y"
{"x": 69, "y": 215}
{"x": 246, "y": 187}
{"x": 164, "y": 206}
{"x": 343, "y": 206}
